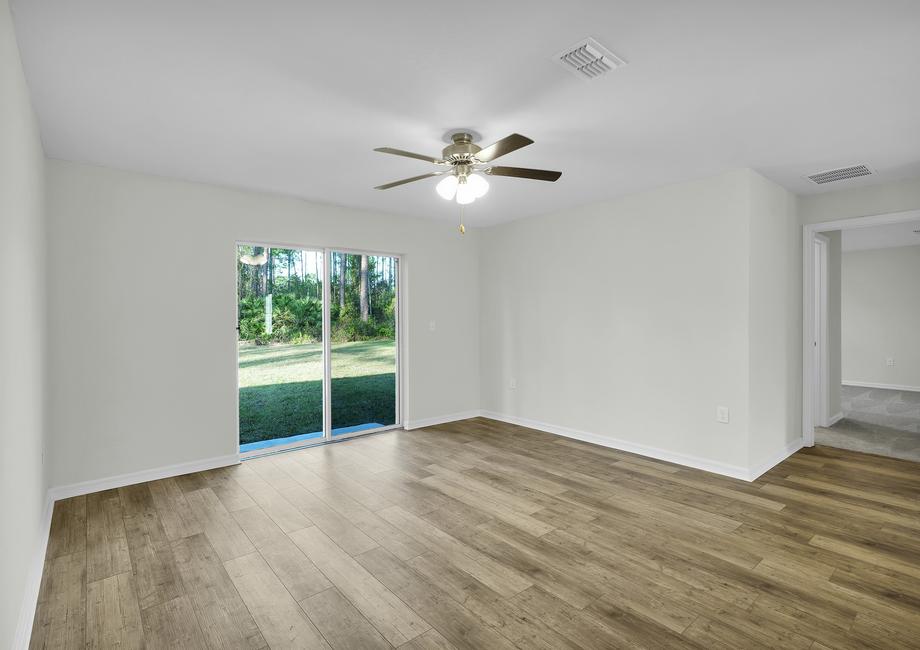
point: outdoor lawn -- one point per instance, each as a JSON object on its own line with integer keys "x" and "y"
{"x": 281, "y": 387}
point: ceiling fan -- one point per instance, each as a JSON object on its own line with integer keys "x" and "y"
{"x": 466, "y": 163}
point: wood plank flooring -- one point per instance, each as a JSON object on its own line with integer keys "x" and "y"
{"x": 480, "y": 534}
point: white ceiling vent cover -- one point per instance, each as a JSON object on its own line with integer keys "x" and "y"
{"x": 842, "y": 174}
{"x": 588, "y": 59}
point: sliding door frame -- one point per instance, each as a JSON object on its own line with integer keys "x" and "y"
{"x": 327, "y": 344}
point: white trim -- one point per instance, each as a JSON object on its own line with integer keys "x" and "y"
{"x": 88, "y": 487}
{"x": 705, "y": 464}
{"x": 732, "y": 471}
{"x": 776, "y": 459}
{"x": 869, "y": 384}
{"x": 23, "y": 634}
{"x": 834, "y": 419}
{"x": 808, "y": 298}
{"x": 821, "y": 378}
{"x": 326, "y": 334}
{"x": 441, "y": 419}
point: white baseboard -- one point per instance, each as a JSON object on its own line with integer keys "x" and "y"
{"x": 834, "y": 419}
{"x": 705, "y": 464}
{"x": 88, "y": 487}
{"x": 776, "y": 459}
{"x": 33, "y": 582}
{"x": 442, "y": 419}
{"x": 869, "y": 384}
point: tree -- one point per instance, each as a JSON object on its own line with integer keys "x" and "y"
{"x": 342, "y": 265}
{"x": 365, "y": 306}
{"x": 257, "y": 277}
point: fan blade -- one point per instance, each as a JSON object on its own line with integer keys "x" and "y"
{"x": 408, "y": 154}
{"x": 506, "y": 145}
{"x": 410, "y": 180}
{"x": 523, "y": 172}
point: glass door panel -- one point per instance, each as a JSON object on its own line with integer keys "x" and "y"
{"x": 363, "y": 320}
{"x": 280, "y": 353}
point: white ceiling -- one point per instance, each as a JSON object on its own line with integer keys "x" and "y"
{"x": 291, "y": 96}
{"x": 889, "y": 236}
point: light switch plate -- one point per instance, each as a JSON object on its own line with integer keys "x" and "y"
{"x": 722, "y": 414}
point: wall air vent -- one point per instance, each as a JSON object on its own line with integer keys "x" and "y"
{"x": 842, "y": 174}
{"x": 588, "y": 59}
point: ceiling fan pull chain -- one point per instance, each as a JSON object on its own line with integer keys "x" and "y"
{"x": 462, "y": 227}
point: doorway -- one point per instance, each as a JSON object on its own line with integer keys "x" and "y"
{"x": 317, "y": 345}
{"x": 817, "y": 379}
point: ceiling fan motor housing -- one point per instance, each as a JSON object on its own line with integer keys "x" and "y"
{"x": 462, "y": 152}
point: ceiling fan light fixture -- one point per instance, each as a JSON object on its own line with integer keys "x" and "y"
{"x": 478, "y": 185}
{"x": 465, "y": 193}
{"x": 447, "y": 188}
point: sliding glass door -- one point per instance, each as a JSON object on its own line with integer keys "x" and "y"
{"x": 280, "y": 354}
{"x": 363, "y": 351}
{"x": 317, "y": 347}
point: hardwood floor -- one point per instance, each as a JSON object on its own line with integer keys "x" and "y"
{"x": 480, "y": 534}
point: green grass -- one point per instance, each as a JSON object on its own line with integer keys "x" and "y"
{"x": 281, "y": 387}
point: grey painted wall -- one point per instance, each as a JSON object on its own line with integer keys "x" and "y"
{"x": 880, "y": 316}
{"x": 22, "y": 335}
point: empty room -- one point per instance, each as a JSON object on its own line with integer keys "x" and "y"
{"x": 492, "y": 325}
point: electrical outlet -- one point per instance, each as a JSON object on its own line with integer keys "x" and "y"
{"x": 722, "y": 414}
{"x": 889, "y": 361}
{"x": 512, "y": 384}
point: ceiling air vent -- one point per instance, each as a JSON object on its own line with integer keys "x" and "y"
{"x": 588, "y": 59}
{"x": 842, "y": 174}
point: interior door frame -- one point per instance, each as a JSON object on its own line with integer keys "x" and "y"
{"x": 809, "y": 417}
{"x": 401, "y": 344}
{"x": 820, "y": 383}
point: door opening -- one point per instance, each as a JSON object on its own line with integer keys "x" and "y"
{"x": 318, "y": 346}
{"x": 815, "y": 358}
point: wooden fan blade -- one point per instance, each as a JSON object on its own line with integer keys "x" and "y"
{"x": 409, "y": 180}
{"x": 506, "y": 145}
{"x": 408, "y": 154}
{"x": 523, "y": 172}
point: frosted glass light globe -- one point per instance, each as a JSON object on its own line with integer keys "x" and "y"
{"x": 447, "y": 187}
{"x": 465, "y": 193}
{"x": 478, "y": 184}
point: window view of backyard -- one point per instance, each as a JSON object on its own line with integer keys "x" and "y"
{"x": 281, "y": 343}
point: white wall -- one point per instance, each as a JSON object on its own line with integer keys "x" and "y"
{"x": 775, "y": 302}
{"x": 640, "y": 327}
{"x": 880, "y": 316}
{"x": 897, "y": 196}
{"x": 22, "y": 338}
{"x": 131, "y": 389}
